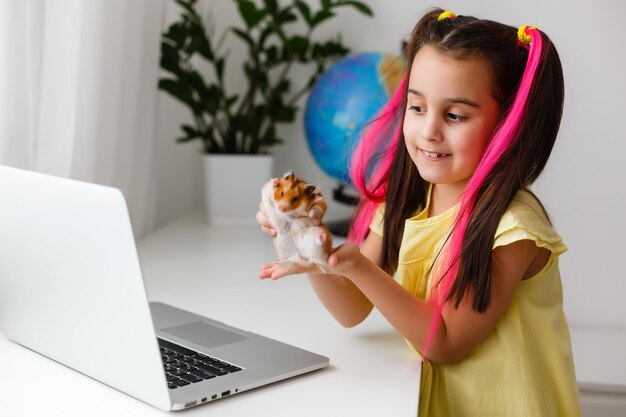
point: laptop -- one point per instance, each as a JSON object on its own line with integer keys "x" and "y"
{"x": 71, "y": 289}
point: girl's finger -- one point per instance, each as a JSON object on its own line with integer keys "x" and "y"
{"x": 269, "y": 231}
{"x": 277, "y": 274}
{"x": 266, "y": 273}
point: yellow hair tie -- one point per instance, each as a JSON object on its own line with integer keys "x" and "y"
{"x": 524, "y": 37}
{"x": 446, "y": 15}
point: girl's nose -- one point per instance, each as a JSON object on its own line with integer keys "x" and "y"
{"x": 431, "y": 129}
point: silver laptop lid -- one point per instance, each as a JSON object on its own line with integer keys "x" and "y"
{"x": 71, "y": 285}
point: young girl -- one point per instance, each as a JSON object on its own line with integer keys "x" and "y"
{"x": 444, "y": 172}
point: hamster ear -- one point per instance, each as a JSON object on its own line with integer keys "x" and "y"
{"x": 288, "y": 174}
{"x": 310, "y": 190}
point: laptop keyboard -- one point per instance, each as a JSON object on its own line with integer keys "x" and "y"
{"x": 185, "y": 366}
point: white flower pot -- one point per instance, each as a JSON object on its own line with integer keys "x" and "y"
{"x": 232, "y": 187}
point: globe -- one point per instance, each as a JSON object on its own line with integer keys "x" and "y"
{"x": 342, "y": 101}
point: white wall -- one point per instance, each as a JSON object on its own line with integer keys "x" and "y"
{"x": 584, "y": 185}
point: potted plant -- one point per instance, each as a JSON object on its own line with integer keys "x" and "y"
{"x": 242, "y": 126}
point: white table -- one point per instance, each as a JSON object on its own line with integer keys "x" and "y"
{"x": 213, "y": 272}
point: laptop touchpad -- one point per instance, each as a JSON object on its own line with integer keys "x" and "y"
{"x": 204, "y": 334}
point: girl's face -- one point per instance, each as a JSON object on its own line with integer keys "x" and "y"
{"x": 450, "y": 116}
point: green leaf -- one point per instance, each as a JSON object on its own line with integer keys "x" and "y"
{"x": 209, "y": 96}
{"x": 189, "y": 6}
{"x": 190, "y": 134}
{"x": 286, "y": 16}
{"x": 330, "y": 49}
{"x": 169, "y": 58}
{"x": 244, "y": 36}
{"x": 193, "y": 45}
{"x": 176, "y": 33}
{"x": 298, "y": 45}
{"x": 178, "y": 90}
{"x": 304, "y": 9}
{"x": 190, "y": 131}
{"x": 271, "y": 5}
{"x": 251, "y": 15}
{"x": 231, "y": 100}
{"x": 271, "y": 55}
{"x": 219, "y": 68}
{"x": 265, "y": 33}
{"x": 212, "y": 100}
{"x": 321, "y": 16}
{"x": 285, "y": 114}
{"x": 184, "y": 139}
{"x": 363, "y": 8}
{"x": 201, "y": 42}
{"x": 261, "y": 77}
{"x": 312, "y": 81}
{"x": 283, "y": 87}
{"x": 204, "y": 48}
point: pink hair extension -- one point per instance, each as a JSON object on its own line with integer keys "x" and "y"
{"x": 373, "y": 141}
{"x": 501, "y": 141}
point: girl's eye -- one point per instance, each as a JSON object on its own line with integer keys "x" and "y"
{"x": 416, "y": 109}
{"x": 456, "y": 117}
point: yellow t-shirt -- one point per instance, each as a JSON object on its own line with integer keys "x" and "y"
{"x": 525, "y": 366}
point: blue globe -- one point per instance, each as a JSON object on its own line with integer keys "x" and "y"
{"x": 344, "y": 99}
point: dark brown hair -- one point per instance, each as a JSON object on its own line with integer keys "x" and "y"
{"x": 466, "y": 37}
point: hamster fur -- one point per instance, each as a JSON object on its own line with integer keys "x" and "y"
{"x": 295, "y": 209}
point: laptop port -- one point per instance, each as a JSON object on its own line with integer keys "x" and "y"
{"x": 225, "y": 393}
{"x": 190, "y": 403}
{"x": 203, "y": 400}
{"x": 214, "y": 396}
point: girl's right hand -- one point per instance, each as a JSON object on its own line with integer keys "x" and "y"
{"x": 262, "y": 219}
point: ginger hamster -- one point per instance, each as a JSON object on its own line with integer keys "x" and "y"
{"x": 295, "y": 209}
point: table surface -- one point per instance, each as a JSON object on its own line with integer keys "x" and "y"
{"x": 213, "y": 271}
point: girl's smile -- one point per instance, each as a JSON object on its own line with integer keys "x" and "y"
{"x": 434, "y": 156}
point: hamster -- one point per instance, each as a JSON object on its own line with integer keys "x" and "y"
{"x": 295, "y": 209}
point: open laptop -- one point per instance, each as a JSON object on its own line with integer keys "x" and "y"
{"x": 71, "y": 289}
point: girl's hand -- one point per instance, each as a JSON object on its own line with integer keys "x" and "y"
{"x": 262, "y": 219}
{"x": 342, "y": 261}
{"x": 278, "y": 270}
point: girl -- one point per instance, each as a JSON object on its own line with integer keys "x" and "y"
{"x": 444, "y": 173}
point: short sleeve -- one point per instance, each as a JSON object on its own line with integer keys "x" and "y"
{"x": 524, "y": 219}
{"x": 378, "y": 218}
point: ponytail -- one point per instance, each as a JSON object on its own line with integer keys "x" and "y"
{"x": 377, "y": 144}
{"x": 446, "y": 270}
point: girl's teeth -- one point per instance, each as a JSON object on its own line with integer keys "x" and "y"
{"x": 434, "y": 155}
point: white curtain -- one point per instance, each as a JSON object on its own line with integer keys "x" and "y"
{"x": 78, "y": 88}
